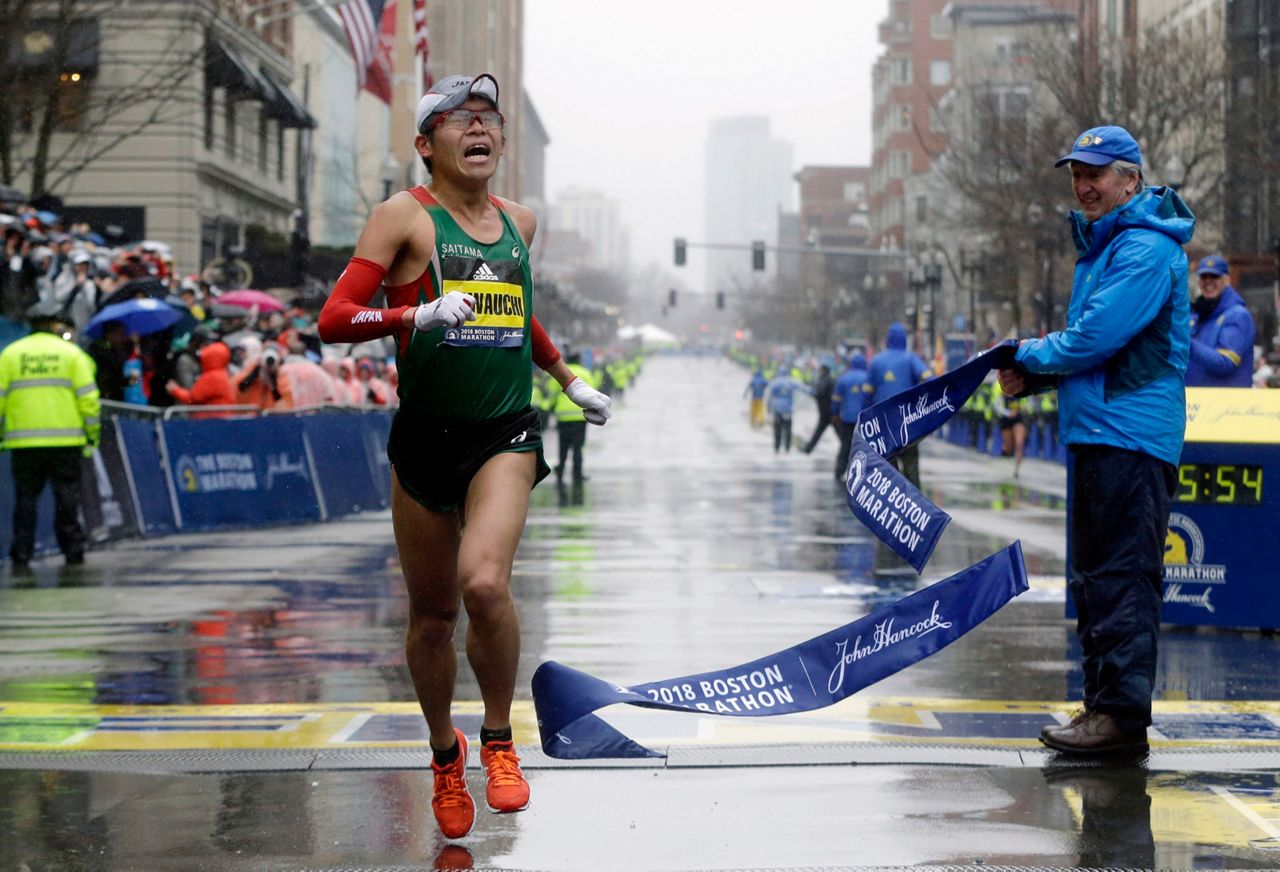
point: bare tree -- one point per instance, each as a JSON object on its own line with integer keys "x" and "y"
{"x": 1006, "y": 125}
{"x": 44, "y": 98}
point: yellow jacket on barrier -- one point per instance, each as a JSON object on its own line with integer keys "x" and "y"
{"x": 48, "y": 395}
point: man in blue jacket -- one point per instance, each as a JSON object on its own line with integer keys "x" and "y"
{"x": 848, "y": 396}
{"x": 892, "y": 371}
{"x": 1221, "y": 331}
{"x": 1119, "y": 367}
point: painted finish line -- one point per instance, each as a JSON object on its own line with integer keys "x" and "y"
{"x": 26, "y": 727}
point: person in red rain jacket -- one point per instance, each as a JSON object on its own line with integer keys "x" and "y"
{"x": 213, "y": 387}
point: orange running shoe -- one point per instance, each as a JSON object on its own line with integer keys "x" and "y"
{"x": 454, "y": 808}
{"x": 505, "y": 790}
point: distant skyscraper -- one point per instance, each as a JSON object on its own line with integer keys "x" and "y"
{"x": 597, "y": 220}
{"x": 748, "y": 183}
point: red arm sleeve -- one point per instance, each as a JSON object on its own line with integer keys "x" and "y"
{"x": 545, "y": 352}
{"x": 346, "y": 316}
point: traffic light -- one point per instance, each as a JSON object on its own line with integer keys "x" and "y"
{"x": 719, "y": 299}
{"x": 671, "y": 297}
{"x": 757, "y": 256}
{"x": 680, "y": 252}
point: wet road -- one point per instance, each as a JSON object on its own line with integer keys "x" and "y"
{"x": 692, "y": 546}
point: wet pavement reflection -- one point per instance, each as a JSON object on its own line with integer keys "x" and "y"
{"x": 799, "y": 817}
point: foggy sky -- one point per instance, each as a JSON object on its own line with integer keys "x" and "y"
{"x": 627, "y": 91}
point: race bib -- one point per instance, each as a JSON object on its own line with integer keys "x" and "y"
{"x": 498, "y": 289}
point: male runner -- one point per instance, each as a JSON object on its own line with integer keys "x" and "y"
{"x": 465, "y": 447}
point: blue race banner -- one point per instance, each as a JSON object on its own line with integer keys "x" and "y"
{"x": 893, "y": 424}
{"x": 891, "y": 507}
{"x": 808, "y": 676}
{"x": 347, "y": 473}
{"x": 235, "y": 472}
{"x": 880, "y": 496}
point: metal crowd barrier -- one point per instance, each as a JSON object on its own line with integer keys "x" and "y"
{"x": 160, "y": 471}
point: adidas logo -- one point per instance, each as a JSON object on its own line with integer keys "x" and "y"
{"x": 484, "y": 274}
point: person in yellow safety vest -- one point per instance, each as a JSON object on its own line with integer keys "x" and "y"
{"x": 538, "y": 400}
{"x": 49, "y": 414}
{"x": 571, "y": 424}
{"x": 620, "y": 372}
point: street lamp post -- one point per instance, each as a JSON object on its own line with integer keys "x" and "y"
{"x": 971, "y": 267}
{"x": 933, "y": 279}
{"x": 914, "y": 286}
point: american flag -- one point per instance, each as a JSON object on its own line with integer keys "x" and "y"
{"x": 365, "y": 27}
{"x": 421, "y": 45}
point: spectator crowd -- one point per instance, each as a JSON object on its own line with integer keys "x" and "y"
{"x": 266, "y": 354}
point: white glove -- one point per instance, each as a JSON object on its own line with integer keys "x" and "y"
{"x": 594, "y": 405}
{"x": 452, "y": 310}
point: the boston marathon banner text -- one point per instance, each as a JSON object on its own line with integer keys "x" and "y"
{"x": 840, "y": 662}
{"x": 811, "y": 675}
{"x": 881, "y": 497}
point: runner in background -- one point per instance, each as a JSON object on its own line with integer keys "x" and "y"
{"x": 465, "y": 446}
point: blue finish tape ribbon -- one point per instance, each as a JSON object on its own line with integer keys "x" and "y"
{"x": 828, "y": 668}
{"x": 880, "y": 496}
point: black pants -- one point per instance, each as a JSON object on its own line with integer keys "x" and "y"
{"x": 908, "y": 463}
{"x": 824, "y": 421}
{"x": 846, "y": 429}
{"x": 1119, "y": 518}
{"x": 571, "y": 435}
{"x": 32, "y": 469}
{"x": 781, "y": 432}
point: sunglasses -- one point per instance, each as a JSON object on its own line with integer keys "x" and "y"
{"x": 460, "y": 119}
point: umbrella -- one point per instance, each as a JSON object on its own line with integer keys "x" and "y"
{"x": 247, "y": 299}
{"x": 143, "y": 287}
{"x": 139, "y": 317}
{"x": 221, "y": 310}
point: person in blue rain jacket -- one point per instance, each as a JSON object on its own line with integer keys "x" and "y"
{"x": 1222, "y": 331}
{"x": 1119, "y": 366}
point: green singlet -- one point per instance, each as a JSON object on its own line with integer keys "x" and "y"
{"x": 482, "y": 369}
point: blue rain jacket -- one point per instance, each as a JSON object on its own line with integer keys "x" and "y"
{"x": 1122, "y": 359}
{"x": 895, "y": 369}
{"x": 1222, "y": 346}
{"x": 851, "y": 390}
{"x": 757, "y": 386}
{"x": 781, "y": 399}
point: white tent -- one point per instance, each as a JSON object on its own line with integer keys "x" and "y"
{"x": 648, "y": 334}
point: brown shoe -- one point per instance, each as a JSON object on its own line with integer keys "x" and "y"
{"x": 1097, "y": 733}
{"x": 1076, "y": 717}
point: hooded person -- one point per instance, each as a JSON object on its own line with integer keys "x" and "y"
{"x": 374, "y": 390}
{"x": 1119, "y": 367}
{"x": 1222, "y": 331}
{"x": 848, "y": 396}
{"x": 301, "y": 383}
{"x": 892, "y": 371}
{"x": 213, "y": 387}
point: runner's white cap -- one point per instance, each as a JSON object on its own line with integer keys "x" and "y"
{"x": 452, "y": 92}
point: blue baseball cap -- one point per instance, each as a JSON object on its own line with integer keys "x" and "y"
{"x": 1099, "y": 146}
{"x": 1213, "y": 265}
